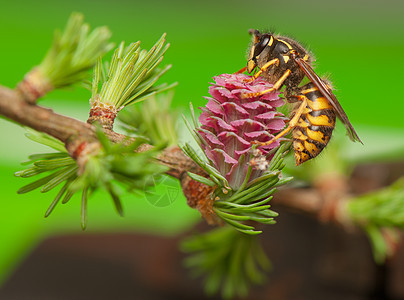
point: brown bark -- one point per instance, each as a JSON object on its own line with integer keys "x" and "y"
{"x": 13, "y": 107}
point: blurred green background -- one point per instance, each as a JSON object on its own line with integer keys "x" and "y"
{"x": 360, "y": 43}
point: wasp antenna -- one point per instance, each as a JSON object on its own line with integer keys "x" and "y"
{"x": 253, "y": 31}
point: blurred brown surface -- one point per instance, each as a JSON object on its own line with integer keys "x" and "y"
{"x": 310, "y": 260}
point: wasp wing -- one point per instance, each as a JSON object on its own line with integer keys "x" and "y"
{"x": 320, "y": 84}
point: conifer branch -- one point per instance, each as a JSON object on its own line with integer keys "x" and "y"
{"x": 72, "y": 54}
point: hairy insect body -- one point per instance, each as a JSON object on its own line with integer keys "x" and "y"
{"x": 285, "y": 63}
{"x": 315, "y": 125}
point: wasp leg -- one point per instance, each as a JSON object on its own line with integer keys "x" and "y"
{"x": 276, "y": 86}
{"x": 263, "y": 69}
{"x": 292, "y": 123}
{"x": 241, "y": 71}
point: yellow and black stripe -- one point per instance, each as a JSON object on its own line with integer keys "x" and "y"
{"x": 315, "y": 126}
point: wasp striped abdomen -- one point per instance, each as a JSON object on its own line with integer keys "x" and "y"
{"x": 315, "y": 126}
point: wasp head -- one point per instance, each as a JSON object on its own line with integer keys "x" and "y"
{"x": 260, "y": 42}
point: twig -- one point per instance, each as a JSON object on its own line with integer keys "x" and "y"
{"x": 78, "y": 135}
{"x": 74, "y": 133}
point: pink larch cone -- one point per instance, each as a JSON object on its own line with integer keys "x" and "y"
{"x": 231, "y": 122}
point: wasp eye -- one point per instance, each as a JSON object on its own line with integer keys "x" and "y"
{"x": 259, "y": 47}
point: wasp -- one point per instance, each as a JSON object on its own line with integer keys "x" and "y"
{"x": 283, "y": 62}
